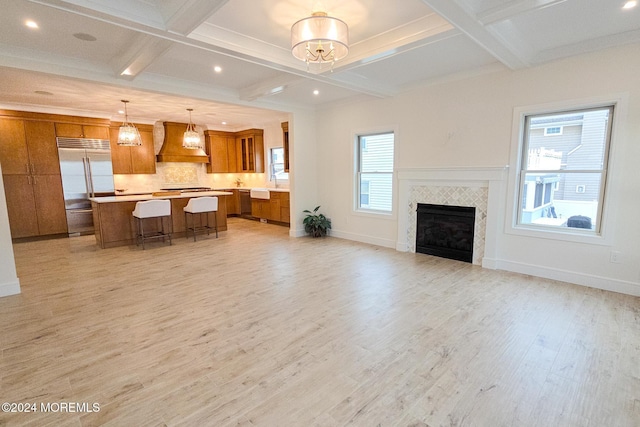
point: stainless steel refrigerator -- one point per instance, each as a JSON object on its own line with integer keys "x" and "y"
{"x": 85, "y": 165}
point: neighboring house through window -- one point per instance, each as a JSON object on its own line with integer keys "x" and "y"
{"x": 375, "y": 172}
{"x": 563, "y": 170}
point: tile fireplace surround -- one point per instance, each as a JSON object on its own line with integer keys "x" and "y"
{"x": 482, "y": 188}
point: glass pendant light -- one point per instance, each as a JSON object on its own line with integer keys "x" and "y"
{"x": 128, "y": 135}
{"x": 191, "y": 136}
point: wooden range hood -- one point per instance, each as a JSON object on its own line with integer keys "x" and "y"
{"x": 172, "y": 149}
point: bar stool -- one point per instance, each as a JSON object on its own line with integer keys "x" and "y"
{"x": 152, "y": 209}
{"x": 199, "y": 206}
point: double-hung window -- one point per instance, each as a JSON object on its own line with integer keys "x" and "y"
{"x": 563, "y": 171}
{"x": 276, "y": 165}
{"x": 375, "y": 172}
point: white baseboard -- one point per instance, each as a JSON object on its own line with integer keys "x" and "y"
{"x": 387, "y": 243}
{"x": 598, "y": 282}
{"x": 490, "y": 263}
{"x": 10, "y": 288}
{"x": 297, "y": 232}
{"x": 402, "y": 247}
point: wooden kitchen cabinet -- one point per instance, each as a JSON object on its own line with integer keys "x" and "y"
{"x": 133, "y": 160}
{"x": 221, "y": 149}
{"x": 274, "y": 209}
{"x": 115, "y": 226}
{"x": 250, "y": 150}
{"x": 283, "y": 197}
{"x": 260, "y": 208}
{"x": 75, "y": 130}
{"x": 232, "y": 152}
{"x": 50, "y": 211}
{"x": 13, "y": 147}
{"x": 33, "y": 185}
{"x": 285, "y": 144}
{"x": 233, "y": 202}
{"x": 280, "y": 206}
{"x": 21, "y": 205}
{"x": 28, "y": 147}
{"x": 42, "y": 148}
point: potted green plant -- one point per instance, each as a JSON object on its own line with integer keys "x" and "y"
{"x": 316, "y": 224}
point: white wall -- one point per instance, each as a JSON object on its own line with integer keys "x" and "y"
{"x": 304, "y": 150}
{"x": 9, "y": 283}
{"x": 468, "y": 123}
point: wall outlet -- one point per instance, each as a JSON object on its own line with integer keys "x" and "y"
{"x": 615, "y": 257}
{"x": 263, "y": 220}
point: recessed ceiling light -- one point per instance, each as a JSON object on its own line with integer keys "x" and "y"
{"x": 120, "y": 111}
{"x": 31, "y": 24}
{"x": 43, "y": 92}
{"x": 630, "y": 4}
{"x": 224, "y": 123}
{"x": 85, "y": 37}
{"x": 316, "y": 92}
{"x": 217, "y": 69}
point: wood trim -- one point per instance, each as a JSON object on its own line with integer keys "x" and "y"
{"x": 139, "y": 126}
{"x": 28, "y": 115}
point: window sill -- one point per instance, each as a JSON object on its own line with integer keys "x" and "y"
{"x": 374, "y": 214}
{"x": 564, "y": 235}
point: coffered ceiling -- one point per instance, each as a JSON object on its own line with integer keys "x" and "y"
{"x": 87, "y": 55}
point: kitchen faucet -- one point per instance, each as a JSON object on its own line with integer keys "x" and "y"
{"x": 274, "y": 177}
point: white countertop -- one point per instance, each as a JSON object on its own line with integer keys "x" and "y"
{"x": 141, "y": 197}
{"x": 283, "y": 190}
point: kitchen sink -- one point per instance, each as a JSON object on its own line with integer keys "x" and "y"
{"x": 260, "y": 193}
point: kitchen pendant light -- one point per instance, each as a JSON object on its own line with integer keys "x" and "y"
{"x": 191, "y": 136}
{"x": 128, "y": 136}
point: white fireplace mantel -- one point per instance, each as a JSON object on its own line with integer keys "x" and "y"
{"x": 454, "y": 178}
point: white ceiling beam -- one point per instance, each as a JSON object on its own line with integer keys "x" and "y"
{"x": 182, "y": 17}
{"x": 137, "y": 11}
{"x": 509, "y": 10}
{"x": 466, "y": 22}
{"x": 586, "y": 46}
{"x": 268, "y": 87}
{"x": 421, "y": 32}
{"x": 142, "y": 52}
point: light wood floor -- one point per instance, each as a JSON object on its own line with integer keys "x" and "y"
{"x": 256, "y": 328}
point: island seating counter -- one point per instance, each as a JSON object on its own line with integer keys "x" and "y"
{"x": 115, "y": 226}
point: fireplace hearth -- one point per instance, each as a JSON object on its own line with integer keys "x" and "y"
{"x": 445, "y": 231}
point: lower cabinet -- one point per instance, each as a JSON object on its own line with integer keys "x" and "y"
{"x": 233, "y": 202}
{"x": 35, "y": 204}
{"x": 285, "y": 206}
{"x": 275, "y": 209}
{"x": 261, "y": 208}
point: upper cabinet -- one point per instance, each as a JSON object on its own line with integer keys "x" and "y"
{"x": 133, "y": 160}
{"x": 250, "y": 150}
{"x": 28, "y": 147}
{"x": 285, "y": 144}
{"x": 221, "y": 149}
{"x": 31, "y": 174}
{"x": 231, "y": 152}
{"x": 14, "y": 156}
{"x": 75, "y": 130}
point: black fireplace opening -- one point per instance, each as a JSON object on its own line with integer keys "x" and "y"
{"x": 446, "y": 231}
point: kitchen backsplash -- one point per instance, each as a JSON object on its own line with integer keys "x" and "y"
{"x": 186, "y": 175}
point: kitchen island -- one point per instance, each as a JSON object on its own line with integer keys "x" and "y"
{"x": 115, "y": 226}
